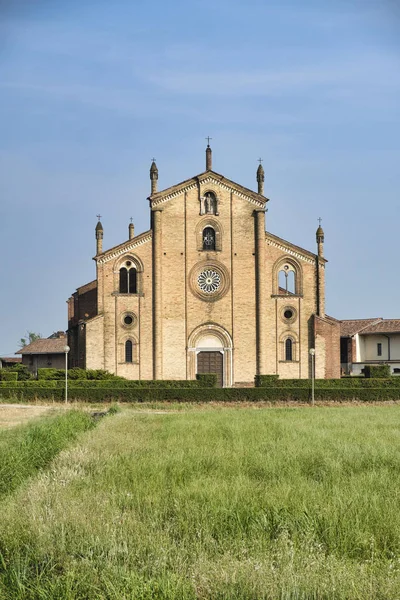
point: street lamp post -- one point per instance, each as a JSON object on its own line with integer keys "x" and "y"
{"x": 312, "y": 353}
{"x": 66, "y": 350}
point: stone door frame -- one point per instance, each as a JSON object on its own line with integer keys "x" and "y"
{"x": 225, "y": 348}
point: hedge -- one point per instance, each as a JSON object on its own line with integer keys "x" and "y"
{"x": 205, "y": 380}
{"x": 112, "y": 393}
{"x": 344, "y": 383}
{"x": 107, "y": 383}
{"x": 51, "y": 378}
{"x": 6, "y": 375}
{"x": 76, "y": 373}
{"x": 22, "y": 371}
{"x": 265, "y": 380}
{"x": 377, "y": 371}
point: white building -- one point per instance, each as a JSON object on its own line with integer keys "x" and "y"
{"x": 369, "y": 342}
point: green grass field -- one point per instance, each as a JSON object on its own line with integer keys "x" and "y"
{"x": 220, "y": 504}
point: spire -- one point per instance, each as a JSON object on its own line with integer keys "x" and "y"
{"x": 99, "y": 236}
{"x": 320, "y": 236}
{"x": 131, "y": 229}
{"x": 153, "y": 176}
{"x": 260, "y": 177}
{"x": 208, "y": 155}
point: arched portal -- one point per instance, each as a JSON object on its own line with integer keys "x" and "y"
{"x": 210, "y": 351}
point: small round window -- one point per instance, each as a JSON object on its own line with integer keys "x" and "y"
{"x": 288, "y": 314}
{"x": 128, "y": 263}
{"x": 128, "y": 319}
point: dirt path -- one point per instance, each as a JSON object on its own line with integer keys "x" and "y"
{"x": 16, "y": 414}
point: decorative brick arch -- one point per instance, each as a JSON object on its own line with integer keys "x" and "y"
{"x": 135, "y": 348}
{"x": 211, "y": 337}
{"x": 289, "y": 335}
{"x": 294, "y": 266}
{"x": 137, "y": 263}
{"x": 209, "y": 221}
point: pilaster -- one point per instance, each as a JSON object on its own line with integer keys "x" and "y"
{"x": 261, "y": 295}
{"x": 157, "y": 294}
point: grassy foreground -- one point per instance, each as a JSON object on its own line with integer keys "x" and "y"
{"x": 273, "y": 503}
{"x": 27, "y": 449}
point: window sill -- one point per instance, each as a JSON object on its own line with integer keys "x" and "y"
{"x": 289, "y": 361}
{"x": 127, "y": 295}
{"x": 134, "y": 362}
{"x": 286, "y": 296}
{"x": 200, "y": 250}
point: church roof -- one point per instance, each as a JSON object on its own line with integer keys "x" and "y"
{"x": 116, "y": 251}
{"x": 291, "y": 248}
{"x": 205, "y": 177}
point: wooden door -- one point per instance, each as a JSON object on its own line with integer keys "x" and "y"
{"x": 211, "y": 362}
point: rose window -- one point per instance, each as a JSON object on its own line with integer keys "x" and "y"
{"x": 209, "y": 281}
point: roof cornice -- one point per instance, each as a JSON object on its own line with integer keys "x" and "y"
{"x": 292, "y": 249}
{"x": 121, "y": 249}
{"x": 202, "y": 179}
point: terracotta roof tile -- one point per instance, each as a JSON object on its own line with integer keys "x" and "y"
{"x": 45, "y": 346}
{"x": 383, "y": 326}
{"x": 350, "y": 327}
{"x": 11, "y": 359}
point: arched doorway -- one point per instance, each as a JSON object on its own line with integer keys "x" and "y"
{"x": 210, "y": 351}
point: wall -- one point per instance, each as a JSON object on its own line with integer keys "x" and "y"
{"x": 327, "y": 348}
{"x": 43, "y": 361}
{"x": 108, "y": 345}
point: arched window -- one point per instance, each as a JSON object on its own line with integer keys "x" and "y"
{"x": 208, "y": 238}
{"x": 287, "y": 280}
{"x": 289, "y": 349}
{"x": 123, "y": 280}
{"x": 128, "y": 280}
{"x": 128, "y": 351}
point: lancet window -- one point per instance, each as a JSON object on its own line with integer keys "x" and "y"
{"x": 128, "y": 279}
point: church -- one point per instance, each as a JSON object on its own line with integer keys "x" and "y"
{"x": 206, "y": 290}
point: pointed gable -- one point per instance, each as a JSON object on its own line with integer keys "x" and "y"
{"x": 208, "y": 177}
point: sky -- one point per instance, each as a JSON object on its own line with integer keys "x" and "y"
{"x": 91, "y": 91}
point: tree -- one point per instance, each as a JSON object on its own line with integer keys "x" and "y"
{"x": 30, "y": 337}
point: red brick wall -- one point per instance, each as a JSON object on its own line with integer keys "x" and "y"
{"x": 330, "y": 332}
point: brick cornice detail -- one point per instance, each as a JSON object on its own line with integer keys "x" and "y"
{"x": 292, "y": 252}
{"x": 124, "y": 249}
{"x": 172, "y": 195}
{"x": 206, "y": 181}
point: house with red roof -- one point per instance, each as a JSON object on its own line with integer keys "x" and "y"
{"x": 45, "y": 352}
{"x": 369, "y": 342}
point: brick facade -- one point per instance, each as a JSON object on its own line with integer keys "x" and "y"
{"x": 173, "y": 317}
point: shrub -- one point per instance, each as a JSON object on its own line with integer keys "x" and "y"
{"x": 50, "y": 374}
{"x": 23, "y": 372}
{"x": 8, "y": 375}
{"x": 99, "y": 374}
{"x": 377, "y": 371}
{"x": 207, "y": 379}
{"x": 77, "y": 374}
{"x": 265, "y": 380}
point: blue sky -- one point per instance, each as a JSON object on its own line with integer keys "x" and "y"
{"x": 91, "y": 91}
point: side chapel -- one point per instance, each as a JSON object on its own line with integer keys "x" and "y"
{"x": 206, "y": 289}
